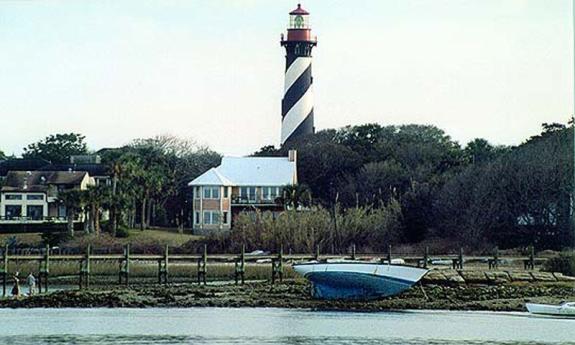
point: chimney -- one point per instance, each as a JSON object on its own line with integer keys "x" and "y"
{"x": 292, "y": 155}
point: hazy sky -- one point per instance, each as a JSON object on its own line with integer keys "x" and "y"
{"x": 213, "y": 70}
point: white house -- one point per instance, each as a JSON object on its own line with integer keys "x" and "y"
{"x": 238, "y": 184}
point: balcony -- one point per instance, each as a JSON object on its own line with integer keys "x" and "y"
{"x": 253, "y": 200}
{"x": 32, "y": 220}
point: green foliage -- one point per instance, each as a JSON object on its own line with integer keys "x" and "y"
{"x": 122, "y": 232}
{"x": 57, "y": 148}
{"x": 54, "y": 239}
{"x": 2, "y": 155}
{"x": 518, "y": 199}
{"x": 564, "y": 263}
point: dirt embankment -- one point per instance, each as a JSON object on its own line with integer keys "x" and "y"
{"x": 295, "y": 294}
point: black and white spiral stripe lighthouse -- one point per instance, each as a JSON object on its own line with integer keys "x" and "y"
{"x": 297, "y": 103}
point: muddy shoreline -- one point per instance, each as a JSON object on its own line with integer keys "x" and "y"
{"x": 295, "y": 294}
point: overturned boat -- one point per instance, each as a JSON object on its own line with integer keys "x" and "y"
{"x": 565, "y": 309}
{"x": 350, "y": 279}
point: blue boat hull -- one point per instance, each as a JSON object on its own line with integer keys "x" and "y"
{"x": 352, "y": 285}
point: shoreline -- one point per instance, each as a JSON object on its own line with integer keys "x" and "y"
{"x": 295, "y": 295}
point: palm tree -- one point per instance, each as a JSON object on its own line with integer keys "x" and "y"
{"x": 295, "y": 196}
{"x": 73, "y": 200}
{"x": 96, "y": 196}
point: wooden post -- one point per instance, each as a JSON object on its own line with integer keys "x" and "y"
{"x": 530, "y": 263}
{"x": 4, "y": 270}
{"x": 240, "y": 266}
{"x": 460, "y": 258}
{"x": 494, "y": 263}
{"x": 389, "y": 254}
{"x": 44, "y": 270}
{"x": 277, "y": 266}
{"x": 202, "y": 266}
{"x": 84, "y": 277}
{"x": 125, "y": 266}
{"x": 317, "y": 252}
{"x": 163, "y": 268}
{"x": 425, "y": 256}
{"x": 353, "y": 251}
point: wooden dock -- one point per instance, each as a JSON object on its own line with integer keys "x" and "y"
{"x": 276, "y": 261}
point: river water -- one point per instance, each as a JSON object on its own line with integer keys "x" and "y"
{"x": 276, "y": 326}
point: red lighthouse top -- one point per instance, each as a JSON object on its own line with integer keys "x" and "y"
{"x": 299, "y": 29}
{"x": 299, "y": 10}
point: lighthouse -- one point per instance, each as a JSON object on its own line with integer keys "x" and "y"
{"x": 297, "y": 102}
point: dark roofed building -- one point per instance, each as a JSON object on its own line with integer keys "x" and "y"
{"x": 32, "y": 196}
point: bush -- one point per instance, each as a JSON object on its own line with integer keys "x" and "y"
{"x": 54, "y": 239}
{"x": 122, "y": 232}
{"x": 564, "y": 263}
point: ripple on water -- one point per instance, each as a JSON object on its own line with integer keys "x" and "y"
{"x": 178, "y": 340}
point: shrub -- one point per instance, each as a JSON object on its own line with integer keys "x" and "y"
{"x": 122, "y": 232}
{"x": 564, "y": 263}
{"x": 54, "y": 239}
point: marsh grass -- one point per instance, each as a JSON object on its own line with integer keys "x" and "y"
{"x": 149, "y": 269}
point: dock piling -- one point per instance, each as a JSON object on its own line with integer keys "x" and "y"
{"x": 84, "y": 276}
{"x": 202, "y": 263}
{"x": 240, "y": 266}
{"x": 125, "y": 266}
{"x": 529, "y": 263}
{"x": 4, "y": 270}
{"x": 163, "y": 268}
{"x": 44, "y": 270}
{"x": 277, "y": 266}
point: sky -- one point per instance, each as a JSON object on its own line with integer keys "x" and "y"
{"x": 212, "y": 70}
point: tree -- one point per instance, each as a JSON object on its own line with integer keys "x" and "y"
{"x": 95, "y": 197}
{"x": 3, "y": 156}
{"x": 57, "y": 148}
{"x": 73, "y": 200}
{"x": 295, "y": 196}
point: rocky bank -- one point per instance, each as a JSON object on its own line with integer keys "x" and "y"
{"x": 491, "y": 291}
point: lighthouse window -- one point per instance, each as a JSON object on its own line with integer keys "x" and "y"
{"x": 299, "y": 22}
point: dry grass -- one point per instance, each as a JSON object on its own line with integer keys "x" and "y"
{"x": 215, "y": 271}
{"x": 26, "y": 239}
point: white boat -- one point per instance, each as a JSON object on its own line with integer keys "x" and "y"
{"x": 343, "y": 279}
{"x": 563, "y": 309}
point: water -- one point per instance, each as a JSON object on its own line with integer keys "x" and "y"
{"x": 276, "y": 326}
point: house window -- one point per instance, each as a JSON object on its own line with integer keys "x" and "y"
{"x": 13, "y": 196}
{"x": 211, "y": 217}
{"x": 62, "y": 211}
{"x": 197, "y": 192}
{"x": 35, "y": 212}
{"x": 225, "y": 218}
{"x": 34, "y": 197}
{"x": 225, "y": 192}
{"x": 13, "y": 211}
{"x": 270, "y": 193}
{"x": 197, "y": 218}
{"x": 248, "y": 193}
{"x": 211, "y": 192}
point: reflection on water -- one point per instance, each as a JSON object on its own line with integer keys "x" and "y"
{"x": 276, "y": 326}
{"x": 177, "y": 340}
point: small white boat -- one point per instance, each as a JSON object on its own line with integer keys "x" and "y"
{"x": 345, "y": 279}
{"x": 563, "y": 309}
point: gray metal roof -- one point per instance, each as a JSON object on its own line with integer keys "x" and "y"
{"x": 249, "y": 171}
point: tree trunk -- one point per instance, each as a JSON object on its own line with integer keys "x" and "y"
{"x": 113, "y": 213}
{"x": 143, "y": 215}
{"x": 71, "y": 216}
{"x": 149, "y": 213}
{"x": 97, "y": 219}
